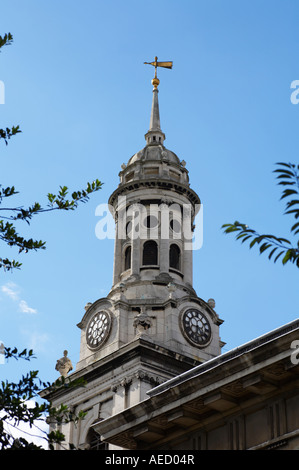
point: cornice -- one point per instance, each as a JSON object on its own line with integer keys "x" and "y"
{"x": 139, "y": 348}
{"x": 154, "y": 183}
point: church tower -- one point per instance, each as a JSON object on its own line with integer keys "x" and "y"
{"x": 152, "y": 326}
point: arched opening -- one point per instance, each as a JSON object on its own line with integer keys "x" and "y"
{"x": 128, "y": 258}
{"x": 94, "y": 441}
{"x": 175, "y": 257}
{"x": 150, "y": 253}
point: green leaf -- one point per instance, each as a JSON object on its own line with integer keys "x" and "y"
{"x": 278, "y": 256}
{"x": 253, "y": 242}
{"x": 287, "y": 257}
{"x": 295, "y": 226}
{"x": 288, "y": 192}
{"x": 289, "y": 165}
{"x": 272, "y": 252}
{"x": 264, "y": 247}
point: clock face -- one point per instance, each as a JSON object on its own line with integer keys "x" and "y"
{"x": 98, "y": 329}
{"x": 196, "y": 327}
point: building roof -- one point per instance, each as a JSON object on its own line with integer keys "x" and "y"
{"x": 207, "y": 393}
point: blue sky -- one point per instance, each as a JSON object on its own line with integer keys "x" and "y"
{"x": 76, "y": 84}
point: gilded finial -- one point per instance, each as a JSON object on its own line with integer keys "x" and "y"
{"x": 167, "y": 65}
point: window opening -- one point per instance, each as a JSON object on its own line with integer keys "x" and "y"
{"x": 128, "y": 258}
{"x": 150, "y": 253}
{"x": 174, "y": 257}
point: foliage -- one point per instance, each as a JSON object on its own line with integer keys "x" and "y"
{"x": 15, "y": 400}
{"x": 10, "y": 215}
{"x": 288, "y": 176}
{"x": 8, "y": 133}
{"x": 8, "y": 232}
{"x": 6, "y": 40}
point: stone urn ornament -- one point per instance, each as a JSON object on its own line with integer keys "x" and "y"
{"x": 64, "y": 365}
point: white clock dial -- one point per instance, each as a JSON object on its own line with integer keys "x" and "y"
{"x": 98, "y": 329}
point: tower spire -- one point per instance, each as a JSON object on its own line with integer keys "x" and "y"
{"x": 155, "y": 134}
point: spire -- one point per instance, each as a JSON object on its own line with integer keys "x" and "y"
{"x": 155, "y": 134}
{"x": 155, "y": 114}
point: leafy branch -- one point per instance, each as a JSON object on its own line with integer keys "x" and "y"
{"x": 6, "y": 40}
{"x": 16, "y": 407}
{"x": 8, "y": 233}
{"x": 8, "y": 133}
{"x": 288, "y": 176}
{"x": 55, "y": 202}
{"x": 9, "y": 215}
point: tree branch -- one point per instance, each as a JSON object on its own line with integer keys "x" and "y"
{"x": 288, "y": 176}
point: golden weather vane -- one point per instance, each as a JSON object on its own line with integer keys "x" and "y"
{"x": 167, "y": 65}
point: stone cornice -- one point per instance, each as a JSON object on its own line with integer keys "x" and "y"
{"x": 252, "y": 349}
{"x": 142, "y": 375}
{"x": 139, "y": 348}
{"x": 156, "y": 183}
{"x": 214, "y": 386}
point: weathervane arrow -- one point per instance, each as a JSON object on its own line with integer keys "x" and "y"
{"x": 167, "y": 65}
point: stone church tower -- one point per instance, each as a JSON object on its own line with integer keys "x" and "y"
{"x": 152, "y": 326}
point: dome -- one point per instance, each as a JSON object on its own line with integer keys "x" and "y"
{"x": 154, "y": 153}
